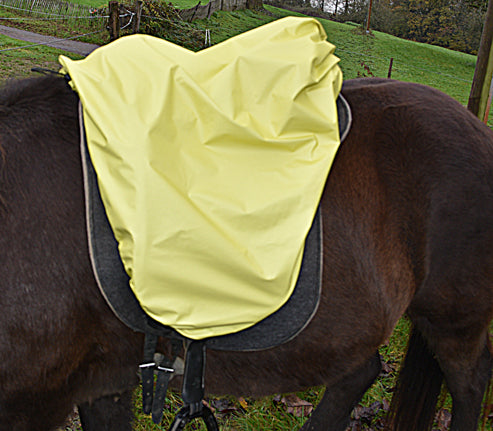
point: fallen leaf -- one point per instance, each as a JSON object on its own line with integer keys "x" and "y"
{"x": 296, "y": 406}
{"x": 243, "y": 403}
{"x": 223, "y": 406}
{"x": 386, "y": 368}
{"x": 363, "y": 414}
{"x": 443, "y": 419}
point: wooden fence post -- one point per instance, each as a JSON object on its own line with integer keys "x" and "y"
{"x": 484, "y": 68}
{"x": 114, "y": 20}
{"x": 369, "y": 17}
{"x": 138, "y": 12}
{"x": 389, "y": 75}
{"x": 195, "y": 11}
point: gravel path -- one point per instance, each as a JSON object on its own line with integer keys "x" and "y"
{"x": 74, "y": 46}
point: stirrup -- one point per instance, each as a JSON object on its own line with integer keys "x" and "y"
{"x": 194, "y": 411}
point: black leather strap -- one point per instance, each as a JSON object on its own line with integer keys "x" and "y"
{"x": 164, "y": 371}
{"x": 193, "y": 379}
{"x": 193, "y": 390}
{"x": 147, "y": 372}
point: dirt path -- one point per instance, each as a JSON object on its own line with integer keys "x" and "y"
{"x": 74, "y": 46}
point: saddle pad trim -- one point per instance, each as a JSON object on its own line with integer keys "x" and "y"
{"x": 344, "y": 117}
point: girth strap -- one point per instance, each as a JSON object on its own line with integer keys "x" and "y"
{"x": 147, "y": 372}
{"x": 193, "y": 383}
{"x": 153, "y": 402}
{"x": 164, "y": 371}
{"x": 193, "y": 390}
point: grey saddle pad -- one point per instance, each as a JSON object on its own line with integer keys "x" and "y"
{"x": 113, "y": 281}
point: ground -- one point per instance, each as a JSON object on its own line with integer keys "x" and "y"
{"x": 73, "y": 46}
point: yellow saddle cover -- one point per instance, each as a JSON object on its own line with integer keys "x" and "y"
{"x": 211, "y": 166}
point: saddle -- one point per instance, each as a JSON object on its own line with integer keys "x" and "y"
{"x": 293, "y": 115}
{"x": 113, "y": 281}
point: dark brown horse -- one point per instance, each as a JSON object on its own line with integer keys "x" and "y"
{"x": 408, "y": 228}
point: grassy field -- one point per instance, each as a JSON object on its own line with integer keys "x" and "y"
{"x": 361, "y": 54}
{"x": 17, "y": 58}
{"x": 364, "y": 54}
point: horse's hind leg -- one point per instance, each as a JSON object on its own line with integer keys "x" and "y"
{"x": 466, "y": 366}
{"x": 110, "y": 413}
{"x": 452, "y": 311}
{"x": 334, "y": 411}
{"x": 467, "y": 388}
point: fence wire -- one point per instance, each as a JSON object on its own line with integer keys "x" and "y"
{"x": 30, "y": 11}
{"x": 49, "y": 7}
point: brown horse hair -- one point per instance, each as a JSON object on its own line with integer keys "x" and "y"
{"x": 417, "y": 389}
{"x": 3, "y": 203}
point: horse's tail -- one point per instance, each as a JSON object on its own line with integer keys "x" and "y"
{"x": 417, "y": 389}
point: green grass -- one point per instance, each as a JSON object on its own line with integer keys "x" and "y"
{"x": 93, "y": 3}
{"x": 446, "y": 70}
{"x": 60, "y": 28}
{"x": 187, "y": 4}
{"x": 17, "y": 63}
{"x": 267, "y": 413}
{"x": 361, "y": 54}
{"x": 364, "y": 54}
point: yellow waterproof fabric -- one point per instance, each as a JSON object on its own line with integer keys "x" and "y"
{"x": 211, "y": 165}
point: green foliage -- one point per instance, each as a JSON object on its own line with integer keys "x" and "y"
{"x": 454, "y": 25}
{"x": 160, "y": 19}
{"x": 438, "y": 22}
